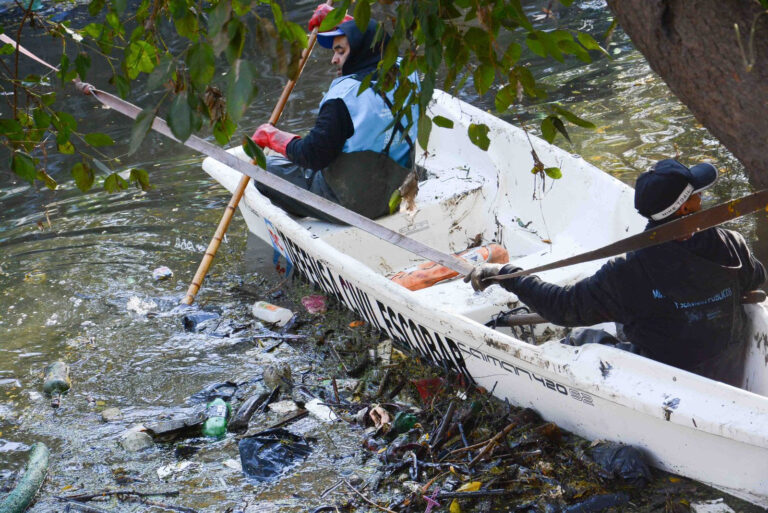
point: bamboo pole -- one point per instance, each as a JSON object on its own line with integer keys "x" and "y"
{"x": 213, "y": 246}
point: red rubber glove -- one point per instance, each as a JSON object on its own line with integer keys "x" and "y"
{"x": 319, "y": 15}
{"x": 267, "y": 136}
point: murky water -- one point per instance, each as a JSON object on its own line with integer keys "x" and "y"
{"x": 76, "y": 282}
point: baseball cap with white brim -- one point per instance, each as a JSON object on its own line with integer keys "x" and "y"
{"x": 662, "y": 190}
{"x": 325, "y": 39}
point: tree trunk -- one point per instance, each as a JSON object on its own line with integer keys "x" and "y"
{"x": 694, "y": 46}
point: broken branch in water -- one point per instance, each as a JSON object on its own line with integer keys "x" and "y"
{"x": 366, "y": 499}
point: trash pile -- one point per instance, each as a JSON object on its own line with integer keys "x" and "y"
{"x": 428, "y": 441}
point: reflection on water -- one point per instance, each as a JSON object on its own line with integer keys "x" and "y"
{"x": 76, "y": 271}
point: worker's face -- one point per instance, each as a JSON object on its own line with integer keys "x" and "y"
{"x": 340, "y": 52}
{"x": 692, "y": 205}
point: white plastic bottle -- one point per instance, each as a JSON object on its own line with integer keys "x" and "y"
{"x": 268, "y": 312}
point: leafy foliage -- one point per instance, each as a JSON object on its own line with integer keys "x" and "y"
{"x": 207, "y": 83}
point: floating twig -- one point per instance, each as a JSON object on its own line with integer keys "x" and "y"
{"x": 366, "y": 499}
{"x": 473, "y": 495}
{"x": 492, "y": 443}
{"x": 85, "y": 508}
{"x": 437, "y": 439}
{"x": 83, "y": 497}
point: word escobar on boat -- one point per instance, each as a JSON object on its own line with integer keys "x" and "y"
{"x": 685, "y": 423}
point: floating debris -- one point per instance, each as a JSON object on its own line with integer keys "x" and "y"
{"x": 162, "y": 273}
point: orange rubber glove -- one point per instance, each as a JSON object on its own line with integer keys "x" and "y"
{"x": 267, "y": 136}
{"x": 319, "y": 15}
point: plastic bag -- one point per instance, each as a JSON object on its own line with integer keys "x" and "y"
{"x": 269, "y": 453}
{"x": 622, "y": 460}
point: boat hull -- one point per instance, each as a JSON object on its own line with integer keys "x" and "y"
{"x": 685, "y": 424}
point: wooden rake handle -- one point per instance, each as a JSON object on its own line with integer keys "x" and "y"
{"x": 213, "y": 246}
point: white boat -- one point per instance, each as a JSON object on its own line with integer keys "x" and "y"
{"x": 685, "y": 424}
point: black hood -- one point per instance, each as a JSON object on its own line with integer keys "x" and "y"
{"x": 363, "y": 54}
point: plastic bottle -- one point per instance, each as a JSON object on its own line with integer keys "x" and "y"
{"x": 271, "y": 313}
{"x": 56, "y": 381}
{"x": 217, "y": 413}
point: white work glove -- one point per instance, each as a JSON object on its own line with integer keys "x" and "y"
{"x": 479, "y": 274}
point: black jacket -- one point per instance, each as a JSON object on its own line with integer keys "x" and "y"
{"x": 678, "y": 301}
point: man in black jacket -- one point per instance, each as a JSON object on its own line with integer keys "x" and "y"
{"x": 348, "y": 123}
{"x": 678, "y": 302}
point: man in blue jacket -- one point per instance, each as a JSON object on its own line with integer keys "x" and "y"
{"x": 677, "y": 302}
{"x": 348, "y": 125}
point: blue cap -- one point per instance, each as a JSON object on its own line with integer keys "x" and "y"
{"x": 662, "y": 190}
{"x": 325, "y": 39}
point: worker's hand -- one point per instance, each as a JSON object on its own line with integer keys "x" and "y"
{"x": 267, "y": 136}
{"x": 479, "y": 274}
{"x": 319, "y": 15}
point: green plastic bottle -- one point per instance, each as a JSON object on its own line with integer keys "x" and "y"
{"x": 56, "y": 381}
{"x": 217, "y": 414}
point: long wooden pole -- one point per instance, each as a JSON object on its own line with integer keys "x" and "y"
{"x": 213, "y": 246}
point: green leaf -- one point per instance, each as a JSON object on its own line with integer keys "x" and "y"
{"x": 113, "y": 20}
{"x": 241, "y": 7}
{"x": 534, "y": 44}
{"x": 442, "y": 122}
{"x": 67, "y": 148}
{"x": 548, "y": 131}
{"x": 478, "y": 134}
{"x": 362, "y": 14}
{"x": 64, "y": 124}
{"x": 549, "y": 42}
{"x": 7, "y": 49}
{"x": 512, "y": 54}
{"x": 162, "y": 72}
{"x": 99, "y": 139}
{"x": 572, "y": 48}
{"x": 141, "y": 178}
{"x": 479, "y": 41}
{"x": 236, "y": 32}
{"x": 505, "y": 97}
{"x": 119, "y": 6}
{"x": 93, "y": 30}
{"x": 573, "y": 118}
{"x": 201, "y": 64}
{"x": 424, "y": 128}
{"x": 46, "y": 179}
{"x": 561, "y": 127}
{"x": 333, "y": 18}
{"x": 295, "y": 32}
{"x": 140, "y": 129}
{"x": 83, "y": 175}
{"x": 394, "y": 201}
{"x": 255, "y": 152}
{"x": 23, "y": 165}
{"x": 48, "y": 99}
{"x": 122, "y": 85}
{"x": 484, "y": 76}
{"x": 115, "y": 183}
{"x": 187, "y": 26}
{"x": 11, "y": 129}
{"x": 218, "y": 16}
{"x": 95, "y": 7}
{"x": 223, "y": 130}
{"x": 589, "y": 43}
{"x": 366, "y": 83}
{"x": 140, "y": 56}
{"x": 180, "y": 117}
{"x": 241, "y": 88}
{"x": 42, "y": 118}
{"x": 554, "y": 172}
